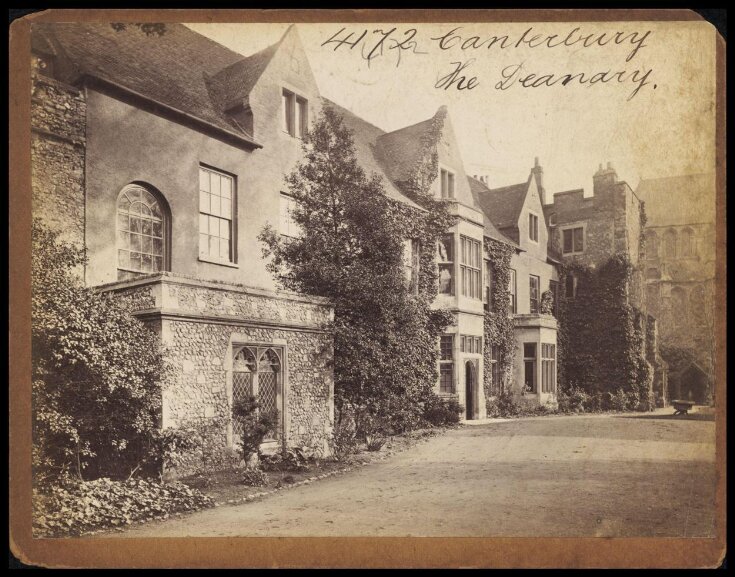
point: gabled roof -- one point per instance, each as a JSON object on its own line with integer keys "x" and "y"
{"x": 402, "y": 150}
{"x": 233, "y": 84}
{"x": 171, "y": 68}
{"x": 479, "y": 190}
{"x": 504, "y": 205}
{"x": 685, "y": 199}
{"x": 366, "y": 137}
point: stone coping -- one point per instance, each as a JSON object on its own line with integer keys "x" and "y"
{"x": 170, "y": 278}
{"x": 534, "y": 320}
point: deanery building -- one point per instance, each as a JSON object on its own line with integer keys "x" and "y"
{"x": 164, "y": 154}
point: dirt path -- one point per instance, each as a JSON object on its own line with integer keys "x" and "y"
{"x": 643, "y": 475}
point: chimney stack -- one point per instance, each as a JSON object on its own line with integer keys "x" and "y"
{"x": 538, "y": 174}
{"x": 604, "y": 177}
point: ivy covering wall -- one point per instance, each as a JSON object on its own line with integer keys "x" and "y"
{"x": 498, "y": 323}
{"x": 602, "y": 336}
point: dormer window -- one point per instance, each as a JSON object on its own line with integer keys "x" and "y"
{"x": 447, "y": 183}
{"x": 295, "y": 114}
{"x": 533, "y": 227}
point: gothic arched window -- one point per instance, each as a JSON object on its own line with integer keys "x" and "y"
{"x": 142, "y": 231}
{"x": 652, "y": 245}
{"x": 679, "y": 306}
{"x": 670, "y": 244}
{"x": 686, "y": 242}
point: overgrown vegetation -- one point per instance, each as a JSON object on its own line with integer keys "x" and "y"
{"x": 74, "y": 507}
{"x": 497, "y": 322}
{"x": 96, "y": 374}
{"x": 96, "y": 405}
{"x": 351, "y": 250}
{"x": 606, "y": 333}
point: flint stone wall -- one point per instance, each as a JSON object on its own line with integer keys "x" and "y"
{"x": 201, "y": 322}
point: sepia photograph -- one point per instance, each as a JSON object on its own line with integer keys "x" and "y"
{"x": 323, "y": 276}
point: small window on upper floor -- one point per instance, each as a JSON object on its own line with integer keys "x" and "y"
{"x": 573, "y": 240}
{"x": 295, "y": 114}
{"x": 533, "y": 227}
{"x": 447, "y": 183}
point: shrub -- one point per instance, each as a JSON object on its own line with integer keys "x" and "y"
{"x": 375, "y": 442}
{"x": 503, "y": 405}
{"x": 75, "y": 507}
{"x": 96, "y": 371}
{"x": 439, "y": 412}
{"x": 254, "y": 477}
{"x": 289, "y": 460}
{"x": 344, "y": 439}
{"x": 255, "y": 425}
{"x": 573, "y": 400}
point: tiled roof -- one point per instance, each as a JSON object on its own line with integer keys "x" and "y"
{"x": 479, "y": 190}
{"x": 171, "y": 68}
{"x": 503, "y": 206}
{"x": 399, "y": 150}
{"x": 686, "y": 199}
{"x": 234, "y": 83}
{"x": 366, "y": 137}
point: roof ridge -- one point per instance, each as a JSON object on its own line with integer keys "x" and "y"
{"x": 333, "y": 103}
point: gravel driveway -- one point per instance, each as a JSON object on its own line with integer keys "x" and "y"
{"x": 601, "y": 475}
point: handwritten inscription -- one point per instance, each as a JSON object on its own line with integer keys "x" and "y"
{"x": 372, "y": 44}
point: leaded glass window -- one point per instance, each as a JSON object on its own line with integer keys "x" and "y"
{"x": 141, "y": 232}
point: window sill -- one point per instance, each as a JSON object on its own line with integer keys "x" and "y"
{"x": 219, "y": 262}
{"x": 572, "y": 253}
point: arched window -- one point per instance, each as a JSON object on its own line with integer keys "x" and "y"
{"x": 670, "y": 244}
{"x": 651, "y": 245}
{"x": 257, "y": 372}
{"x": 686, "y": 242}
{"x": 142, "y": 231}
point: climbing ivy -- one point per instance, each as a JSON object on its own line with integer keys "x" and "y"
{"x": 498, "y": 323}
{"x": 606, "y": 333}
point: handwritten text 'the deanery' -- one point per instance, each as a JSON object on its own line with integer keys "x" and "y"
{"x": 372, "y": 44}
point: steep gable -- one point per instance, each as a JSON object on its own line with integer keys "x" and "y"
{"x": 504, "y": 206}
{"x": 479, "y": 191}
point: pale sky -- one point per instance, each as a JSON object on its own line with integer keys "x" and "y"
{"x": 664, "y": 131}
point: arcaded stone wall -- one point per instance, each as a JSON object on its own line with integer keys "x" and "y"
{"x": 58, "y": 137}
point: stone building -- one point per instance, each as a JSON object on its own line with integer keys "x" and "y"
{"x": 586, "y": 232}
{"x": 679, "y": 268}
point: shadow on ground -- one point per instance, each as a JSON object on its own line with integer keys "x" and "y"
{"x": 687, "y": 417}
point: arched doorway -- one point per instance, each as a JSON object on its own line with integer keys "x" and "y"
{"x": 470, "y": 388}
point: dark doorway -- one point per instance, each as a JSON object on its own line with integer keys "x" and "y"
{"x": 693, "y": 385}
{"x": 470, "y": 385}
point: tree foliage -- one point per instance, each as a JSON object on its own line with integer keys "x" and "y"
{"x": 350, "y": 250}
{"x": 96, "y": 371}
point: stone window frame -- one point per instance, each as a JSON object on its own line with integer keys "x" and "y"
{"x": 533, "y": 221}
{"x": 571, "y": 226}
{"x": 446, "y": 364}
{"x": 446, "y": 262}
{"x": 449, "y": 191}
{"x": 470, "y": 261}
{"x": 281, "y": 349}
{"x": 534, "y": 304}
{"x": 294, "y": 113}
{"x": 548, "y": 367}
{"x": 527, "y": 359}
{"x": 513, "y": 290}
